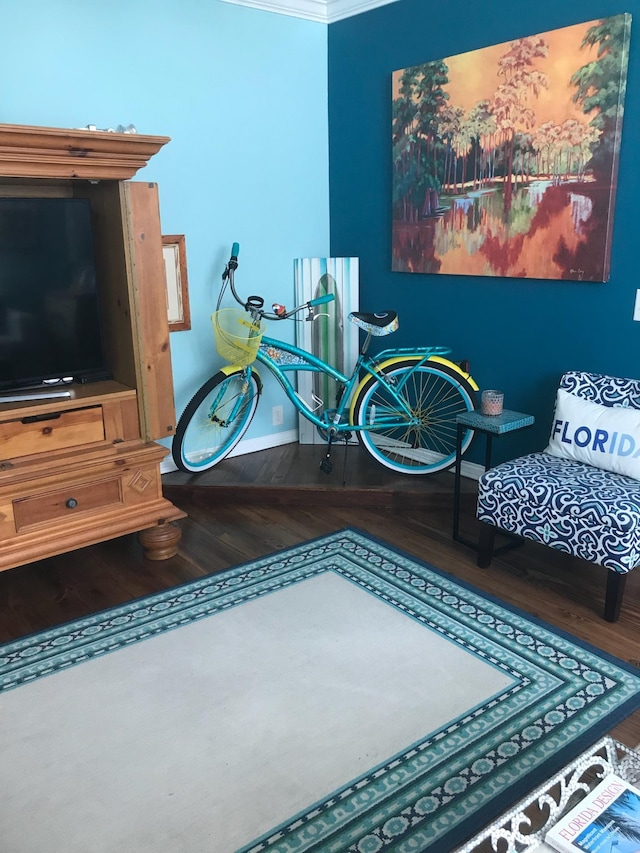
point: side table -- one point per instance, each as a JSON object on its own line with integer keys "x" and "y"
{"x": 490, "y": 425}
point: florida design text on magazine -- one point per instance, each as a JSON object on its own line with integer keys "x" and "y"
{"x": 607, "y": 820}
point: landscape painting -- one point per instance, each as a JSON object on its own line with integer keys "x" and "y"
{"x": 505, "y": 159}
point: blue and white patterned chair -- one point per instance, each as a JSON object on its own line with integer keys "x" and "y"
{"x": 569, "y": 504}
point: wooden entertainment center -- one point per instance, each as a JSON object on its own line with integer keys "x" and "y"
{"x": 85, "y": 468}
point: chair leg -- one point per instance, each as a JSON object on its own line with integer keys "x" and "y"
{"x": 485, "y": 544}
{"x": 613, "y": 596}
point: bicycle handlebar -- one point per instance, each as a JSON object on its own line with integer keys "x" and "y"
{"x": 321, "y": 300}
{"x": 254, "y": 304}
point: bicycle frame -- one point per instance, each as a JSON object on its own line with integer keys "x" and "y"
{"x": 281, "y": 358}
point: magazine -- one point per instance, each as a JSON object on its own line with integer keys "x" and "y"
{"x": 606, "y": 820}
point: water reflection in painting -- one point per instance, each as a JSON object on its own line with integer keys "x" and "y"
{"x": 505, "y": 159}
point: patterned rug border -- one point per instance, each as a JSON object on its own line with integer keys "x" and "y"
{"x": 98, "y": 615}
{"x": 376, "y": 812}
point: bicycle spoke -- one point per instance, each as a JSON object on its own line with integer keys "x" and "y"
{"x": 423, "y": 440}
{"x": 215, "y": 420}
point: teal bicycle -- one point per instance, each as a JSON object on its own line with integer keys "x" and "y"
{"x": 401, "y": 404}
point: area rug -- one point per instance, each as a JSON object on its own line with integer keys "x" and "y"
{"x": 337, "y": 696}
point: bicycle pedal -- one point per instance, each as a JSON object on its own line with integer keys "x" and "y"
{"x": 326, "y": 466}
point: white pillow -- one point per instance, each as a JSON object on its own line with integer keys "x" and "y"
{"x": 604, "y": 436}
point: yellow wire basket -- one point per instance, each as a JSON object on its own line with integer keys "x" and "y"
{"x": 237, "y": 335}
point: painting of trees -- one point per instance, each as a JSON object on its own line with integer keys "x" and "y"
{"x": 416, "y": 114}
{"x": 504, "y": 162}
{"x": 599, "y": 100}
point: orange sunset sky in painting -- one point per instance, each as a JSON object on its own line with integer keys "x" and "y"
{"x": 473, "y": 76}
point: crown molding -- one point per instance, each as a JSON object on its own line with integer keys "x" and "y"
{"x": 52, "y": 152}
{"x": 324, "y": 11}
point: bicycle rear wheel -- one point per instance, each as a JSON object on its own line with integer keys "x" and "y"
{"x": 215, "y": 420}
{"x": 434, "y": 395}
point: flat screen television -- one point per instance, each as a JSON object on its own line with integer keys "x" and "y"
{"x": 50, "y": 325}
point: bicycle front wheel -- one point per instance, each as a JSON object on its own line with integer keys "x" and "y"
{"x": 410, "y": 426}
{"x": 215, "y": 420}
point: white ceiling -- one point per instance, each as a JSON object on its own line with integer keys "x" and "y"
{"x": 325, "y": 11}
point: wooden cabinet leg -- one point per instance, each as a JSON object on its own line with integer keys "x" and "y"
{"x": 160, "y": 542}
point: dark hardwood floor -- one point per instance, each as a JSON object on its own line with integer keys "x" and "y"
{"x": 253, "y": 505}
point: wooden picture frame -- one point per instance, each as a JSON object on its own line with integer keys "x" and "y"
{"x": 175, "y": 260}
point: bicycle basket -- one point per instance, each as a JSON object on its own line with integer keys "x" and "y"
{"x": 237, "y": 335}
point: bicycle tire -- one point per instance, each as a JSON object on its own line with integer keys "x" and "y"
{"x": 203, "y": 435}
{"x": 435, "y": 393}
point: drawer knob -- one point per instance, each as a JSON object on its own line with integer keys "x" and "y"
{"x": 72, "y": 503}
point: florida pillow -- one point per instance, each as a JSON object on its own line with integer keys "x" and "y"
{"x": 607, "y": 437}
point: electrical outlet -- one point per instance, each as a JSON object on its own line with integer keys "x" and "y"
{"x": 278, "y": 415}
{"x": 636, "y": 310}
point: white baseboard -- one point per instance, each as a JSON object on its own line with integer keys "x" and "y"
{"x": 471, "y": 470}
{"x": 168, "y": 465}
{"x": 251, "y": 445}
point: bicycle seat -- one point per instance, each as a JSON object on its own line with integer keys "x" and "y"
{"x": 381, "y": 323}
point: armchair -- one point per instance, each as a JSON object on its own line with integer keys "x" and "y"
{"x": 581, "y": 495}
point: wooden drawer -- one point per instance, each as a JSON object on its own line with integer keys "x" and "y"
{"x": 66, "y": 503}
{"x": 51, "y": 431}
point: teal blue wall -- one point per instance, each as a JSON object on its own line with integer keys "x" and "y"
{"x": 243, "y": 95}
{"x": 519, "y": 334}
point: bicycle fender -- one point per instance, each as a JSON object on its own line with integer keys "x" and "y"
{"x": 453, "y": 366}
{"x": 229, "y": 369}
{"x": 437, "y": 358}
{"x": 400, "y": 358}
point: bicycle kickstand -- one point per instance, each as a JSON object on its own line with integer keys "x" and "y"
{"x": 347, "y": 438}
{"x": 326, "y": 466}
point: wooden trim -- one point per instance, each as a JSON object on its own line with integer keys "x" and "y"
{"x": 51, "y": 152}
{"x": 256, "y": 494}
{"x": 177, "y": 282}
{"x": 149, "y": 317}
